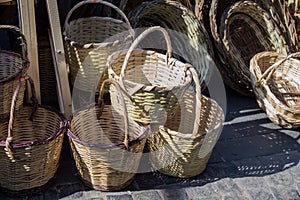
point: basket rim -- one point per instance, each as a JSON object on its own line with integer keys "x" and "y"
{"x": 73, "y": 43}
{"x": 116, "y": 54}
{"x": 73, "y": 137}
{"x": 44, "y": 140}
{"x": 21, "y": 70}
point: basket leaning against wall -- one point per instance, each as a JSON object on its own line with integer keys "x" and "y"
{"x": 276, "y": 82}
{"x": 13, "y": 65}
{"x": 30, "y": 146}
{"x": 90, "y": 40}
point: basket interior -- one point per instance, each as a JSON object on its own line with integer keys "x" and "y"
{"x": 45, "y": 124}
{"x": 149, "y": 68}
{"x": 10, "y": 65}
{"x": 285, "y": 81}
{"x": 96, "y": 126}
{"x": 246, "y": 37}
{"x": 96, "y": 30}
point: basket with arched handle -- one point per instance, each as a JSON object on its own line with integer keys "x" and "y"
{"x": 153, "y": 81}
{"x": 276, "y": 82}
{"x": 90, "y": 40}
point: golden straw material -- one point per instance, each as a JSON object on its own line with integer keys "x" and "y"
{"x": 182, "y": 146}
{"x": 153, "y": 81}
{"x": 30, "y": 147}
{"x": 90, "y": 40}
{"x": 276, "y": 82}
{"x": 107, "y": 145}
{"x": 243, "y": 29}
{"x": 190, "y": 40}
{"x": 12, "y": 67}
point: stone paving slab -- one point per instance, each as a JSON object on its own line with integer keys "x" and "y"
{"x": 253, "y": 159}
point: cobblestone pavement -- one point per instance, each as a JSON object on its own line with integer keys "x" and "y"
{"x": 253, "y": 159}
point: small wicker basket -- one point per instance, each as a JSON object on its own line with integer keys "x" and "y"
{"x": 182, "y": 147}
{"x": 12, "y": 67}
{"x": 90, "y": 40}
{"x": 153, "y": 81}
{"x": 30, "y": 146}
{"x": 107, "y": 145}
{"x": 276, "y": 82}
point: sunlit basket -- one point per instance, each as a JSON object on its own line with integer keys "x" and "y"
{"x": 90, "y": 40}
{"x": 107, "y": 145}
{"x": 243, "y": 30}
{"x": 276, "y": 82}
{"x": 30, "y": 146}
{"x": 190, "y": 40}
{"x": 183, "y": 146}
{"x": 13, "y": 65}
{"x": 154, "y": 81}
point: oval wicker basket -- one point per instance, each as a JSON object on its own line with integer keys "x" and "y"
{"x": 182, "y": 146}
{"x": 107, "y": 145}
{"x": 276, "y": 82}
{"x": 12, "y": 67}
{"x": 242, "y": 30}
{"x": 153, "y": 81}
{"x": 30, "y": 144}
{"x": 90, "y": 40}
{"x": 190, "y": 40}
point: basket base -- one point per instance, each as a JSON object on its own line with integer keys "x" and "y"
{"x": 26, "y": 192}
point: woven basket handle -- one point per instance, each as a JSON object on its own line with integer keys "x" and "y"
{"x": 119, "y": 11}
{"x": 269, "y": 72}
{"x": 119, "y": 89}
{"x": 9, "y": 139}
{"x": 21, "y": 37}
{"x": 135, "y": 44}
{"x": 198, "y": 100}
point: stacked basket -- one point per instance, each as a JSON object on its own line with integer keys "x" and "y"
{"x": 30, "y": 136}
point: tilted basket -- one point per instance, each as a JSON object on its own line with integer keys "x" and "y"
{"x": 190, "y": 40}
{"x": 90, "y": 40}
{"x": 13, "y": 65}
{"x": 244, "y": 29}
{"x": 276, "y": 83}
{"x": 183, "y": 145}
{"x": 107, "y": 145}
{"x": 30, "y": 146}
{"x": 153, "y": 81}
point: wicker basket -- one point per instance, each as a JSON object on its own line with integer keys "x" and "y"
{"x": 153, "y": 81}
{"x": 90, "y": 40}
{"x": 276, "y": 82}
{"x": 190, "y": 40}
{"x": 31, "y": 144}
{"x": 13, "y": 66}
{"x": 107, "y": 145}
{"x": 182, "y": 147}
{"x": 240, "y": 30}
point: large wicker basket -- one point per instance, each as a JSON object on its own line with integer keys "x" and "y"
{"x": 190, "y": 40}
{"x": 90, "y": 40}
{"x": 276, "y": 82}
{"x": 30, "y": 146}
{"x": 13, "y": 65}
{"x": 153, "y": 81}
{"x": 244, "y": 29}
{"x": 107, "y": 145}
{"x": 182, "y": 147}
